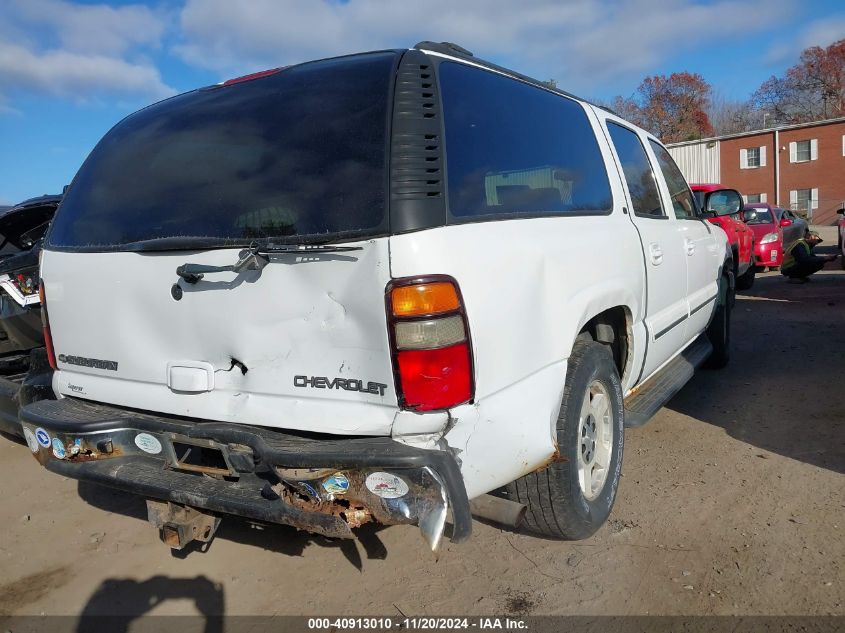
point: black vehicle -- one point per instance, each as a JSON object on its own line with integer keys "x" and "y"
{"x": 24, "y": 371}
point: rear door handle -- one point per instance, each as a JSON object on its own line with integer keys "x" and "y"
{"x": 655, "y": 253}
{"x": 690, "y": 246}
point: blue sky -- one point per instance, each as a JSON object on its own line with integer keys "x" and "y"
{"x": 71, "y": 69}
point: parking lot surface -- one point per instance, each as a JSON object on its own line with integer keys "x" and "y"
{"x": 732, "y": 501}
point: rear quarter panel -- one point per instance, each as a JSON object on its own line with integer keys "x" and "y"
{"x": 529, "y": 286}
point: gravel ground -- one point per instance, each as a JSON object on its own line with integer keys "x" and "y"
{"x": 732, "y": 501}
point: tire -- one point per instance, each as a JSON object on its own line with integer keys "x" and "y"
{"x": 557, "y": 504}
{"x": 841, "y": 251}
{"x": 745, "y": 281}
{"x": 735, "y": 277}
{"x": 719, "y": 330}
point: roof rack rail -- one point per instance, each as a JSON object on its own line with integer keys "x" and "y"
{"x": 448, "y": 48}
{"x": 444, "y": 47}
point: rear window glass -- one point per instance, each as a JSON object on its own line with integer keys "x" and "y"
{"x": 754, "y": 215}
{"x": 298, "y": 153}
{"x": 513, "y": 148}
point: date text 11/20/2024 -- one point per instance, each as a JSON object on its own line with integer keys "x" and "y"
{"x": 423, "y": 623}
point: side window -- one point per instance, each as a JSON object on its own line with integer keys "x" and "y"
{"x": 645, "y": 197}
{"x": 516, "y": 149}
{"x": 682, "y": 201}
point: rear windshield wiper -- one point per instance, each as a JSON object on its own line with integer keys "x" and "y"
{"x": 304, "y": 248}
{"x": 256, "y": 258}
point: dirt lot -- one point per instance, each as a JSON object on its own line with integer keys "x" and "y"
{"x": 732, "y": 502}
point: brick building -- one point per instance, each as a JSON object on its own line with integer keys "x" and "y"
{"x": 801, "y": 167}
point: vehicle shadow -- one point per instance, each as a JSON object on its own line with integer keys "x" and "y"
{"x": 780, "y": 391}
{"x": 117, "y": 603}
{"x": 279, "y": 539}
{"x": 10, "y": 437}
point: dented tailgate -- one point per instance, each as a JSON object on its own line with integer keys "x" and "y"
{"x": 300, "y": 344}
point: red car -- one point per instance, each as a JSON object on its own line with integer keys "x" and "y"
{"x": 740, "y": 237}
{"x": 762, "y": 219}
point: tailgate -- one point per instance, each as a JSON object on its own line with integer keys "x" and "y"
{"x": 300, "y": 344}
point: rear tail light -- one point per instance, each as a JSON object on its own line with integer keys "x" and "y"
{"x": 432, "y": 356}
{"x": 419, "y": 299}
{"x": 45, "y": 325}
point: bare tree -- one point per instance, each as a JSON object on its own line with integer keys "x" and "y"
{"x": 812, "y": 89}
{"x": 729, "y": 116}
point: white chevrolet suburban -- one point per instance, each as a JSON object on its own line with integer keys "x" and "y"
{"x": 373, "y": 288}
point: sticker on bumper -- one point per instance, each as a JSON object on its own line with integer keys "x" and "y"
{"x": 58, "y": 448}
{"x": 148, "y": 443}
{"x": 30, "y": 440}
{"x": 386, "y": 486}
{"x": 43, "y": 437}
{"x": 337, "y": 484}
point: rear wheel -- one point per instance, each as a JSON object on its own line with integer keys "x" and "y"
{"x": 841, "y": 249}
{"x": 719, "y": 330}
{"x": 746, "y": 280}
{"x": 573, "y": 496}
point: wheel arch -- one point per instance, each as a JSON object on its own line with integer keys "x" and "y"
{"x": 728, "y": 267}
{"x": 613, "y": 327}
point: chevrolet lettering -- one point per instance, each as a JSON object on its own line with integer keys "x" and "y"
{"x": 95, "y": 363}
{"x": 349, "y": 384}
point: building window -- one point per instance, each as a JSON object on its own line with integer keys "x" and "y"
{"x": 804, "y": 200}
{"x": 803, "y": 151}
{"x": 752, "y": 157}
{"x": 753, "y": 154}
{"x": 755, "y": 197}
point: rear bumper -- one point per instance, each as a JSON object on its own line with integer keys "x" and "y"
{"x": 32, "y": 383}
{"x": 9, "y": 386}
{"x": 318, "y": 484}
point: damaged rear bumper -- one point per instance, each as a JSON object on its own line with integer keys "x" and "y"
{"x": 322, "y": 484}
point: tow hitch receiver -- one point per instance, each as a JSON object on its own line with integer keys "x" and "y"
{"x": 179, "y": 525}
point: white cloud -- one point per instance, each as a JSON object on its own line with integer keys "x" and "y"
{"x": 61, "y": 48}
{"x": 824, "y": 32}
{"x": 96, "y": 28}
{"x": 580, "y": 43}
{"x": 818, "y": 33}
{"x": 74, "y": 75}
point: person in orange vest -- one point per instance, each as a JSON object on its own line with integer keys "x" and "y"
{"x": 800, "y": 262}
